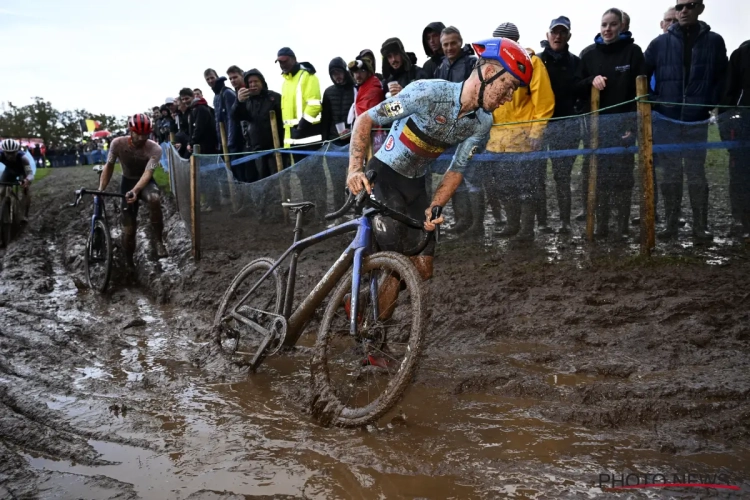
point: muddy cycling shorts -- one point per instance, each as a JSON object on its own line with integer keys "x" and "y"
{"x": 126, "y": 185}
{"x": 403, "y": 194}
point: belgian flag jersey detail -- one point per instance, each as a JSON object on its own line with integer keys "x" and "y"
{"x": 424, "y": 124}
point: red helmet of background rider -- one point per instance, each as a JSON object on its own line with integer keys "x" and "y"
{"x": 140, "y": 124}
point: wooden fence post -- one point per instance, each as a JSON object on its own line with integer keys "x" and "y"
{"x": 646, "y": 166}
{"x": 279, "y": 163}
{"x": 228, "y": 165}
{"x": 593, "y": 164}
{"x": 276, "y": 142}
{"x": 195, "y": 227}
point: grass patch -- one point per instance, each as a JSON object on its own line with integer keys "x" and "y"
{"x": 41, "y": 173}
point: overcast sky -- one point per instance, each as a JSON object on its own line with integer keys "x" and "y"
{"x": 124, "y": 57}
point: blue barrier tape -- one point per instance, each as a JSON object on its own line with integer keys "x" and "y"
{"x": 535, "y": 155}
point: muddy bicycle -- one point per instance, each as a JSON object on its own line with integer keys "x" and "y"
{"x": 97, "y": 259}
{"x": 367, "y": 348}
{"x": 9, "y": 215}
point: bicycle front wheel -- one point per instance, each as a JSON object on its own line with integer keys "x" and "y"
{"x": 358, "y": 378}
{"x": 98, "y": 258}
{"x": 6, "y": 222}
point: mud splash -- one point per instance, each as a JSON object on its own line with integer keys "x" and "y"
{"x": 564, "y": 365}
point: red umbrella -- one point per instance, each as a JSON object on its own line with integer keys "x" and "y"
{"x": 100, "y": 134}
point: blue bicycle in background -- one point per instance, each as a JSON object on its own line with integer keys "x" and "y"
{"x": 372, "y": 331}
{"x": 97, "y": 258}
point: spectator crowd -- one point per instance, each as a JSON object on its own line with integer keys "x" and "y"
{"x": 686, "y": 64}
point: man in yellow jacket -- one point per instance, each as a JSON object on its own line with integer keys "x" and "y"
{"x": 521, "y": 184}
{"x": 300, "y": 100}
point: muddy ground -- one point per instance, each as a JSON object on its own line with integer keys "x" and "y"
{"x": 546, "y": 366}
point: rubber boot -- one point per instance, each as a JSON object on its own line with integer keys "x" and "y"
{"x": 497, "y": 212}
{"x": 623, "y": 200}
{"x": 157, "y": 237}
{"x": 461, "y": 211}
{"x": 670, "y": 193}
{"x": 564, "y": 202}
{"x": 476, "y": 200}
{"x": 602, "y": 215}
{"x": 698, "y": 201}
{"x": 513, "y": 209}
{"x": 528, "y": 217}
{"x": 541, "y": 209}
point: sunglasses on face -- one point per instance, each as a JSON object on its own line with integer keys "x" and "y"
{"x": 688, "y": 6}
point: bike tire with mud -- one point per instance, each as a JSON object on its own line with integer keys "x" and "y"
{"x": 98, "y": 249}
{"x": 271, "y": 298}
{"x": 326, "y": 403}
{"x": 6, "y": 222}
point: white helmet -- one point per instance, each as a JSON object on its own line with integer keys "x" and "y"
{"x": 10, "y": 145}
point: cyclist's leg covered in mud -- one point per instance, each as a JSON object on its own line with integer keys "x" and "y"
{"x": 408, "y": 196}
{"x": 129, "y": 220}
{"x": 152, "y": 195}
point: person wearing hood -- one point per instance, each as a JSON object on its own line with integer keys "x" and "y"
{"x": 300, "y": 101}
{"x": 689, "y": 63}
{"x": 399, "y": 67}
{"x": 612, "y": 67}
{"x": 202, "y": 127}
{"x": 254, "y": 105}
{"x": 459, "y": 60}
{"x": 734, "y": 125}
{"x": 337, "y": 101}
{"x": 432, "y": 48}
{"x": 521, "y": 184}
{"x": 224, "y": 99}
{"x": 564, "y": 70}
{"x": 164, "y": 125}
{"x": 367, "y": 54}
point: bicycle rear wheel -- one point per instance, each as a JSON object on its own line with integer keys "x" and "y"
{"x": 263, "y": 308}
{"x": 357, "y": 379}
{"x": 98, "y": 258}
{"x": 6, "y": 222}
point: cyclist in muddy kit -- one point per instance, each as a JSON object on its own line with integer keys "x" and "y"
{"x": 17, "y": 167}
{"x": 139, "y": 157}
{"x": 428, "y": 117}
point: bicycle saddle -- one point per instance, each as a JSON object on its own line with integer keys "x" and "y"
{"x": 98, "y": 168}
{"x": 300, "y": 206}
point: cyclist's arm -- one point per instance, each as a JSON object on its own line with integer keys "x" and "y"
{"x": 455, "y": 174}
{"x": 27, "y": 170}
{"x": 109, "y": 168}
{"x": 148, "y": 173}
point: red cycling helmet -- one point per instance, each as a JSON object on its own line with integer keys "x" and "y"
{"x": 140, "y": 124}
{"x": 510, "y": 54}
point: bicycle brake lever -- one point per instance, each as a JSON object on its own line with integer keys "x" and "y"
{"x": 436, "y": 212}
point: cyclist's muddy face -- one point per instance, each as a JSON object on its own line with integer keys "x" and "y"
{"x": 500, "y": 91}
{"x": 138, "y": 140}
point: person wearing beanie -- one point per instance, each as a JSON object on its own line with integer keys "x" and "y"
{"x": 370, "y": 55}
{"x": 369, "y": 88}
{"x": 254, "y": 104}
{"x": 521, "y": 187}
{"x": 369, "y": 94}
{"x": 432, "y": 48}
{"x": 399, "y": 68}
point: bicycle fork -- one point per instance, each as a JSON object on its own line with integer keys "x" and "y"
{"x": 362, "y": 245}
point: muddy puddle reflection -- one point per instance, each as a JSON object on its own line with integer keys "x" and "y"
{"x": 252, "y": 437}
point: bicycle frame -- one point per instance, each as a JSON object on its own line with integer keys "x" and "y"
{"x": 361, "y": 246}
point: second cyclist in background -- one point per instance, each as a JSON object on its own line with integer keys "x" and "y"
{"x": 139, "y": 156}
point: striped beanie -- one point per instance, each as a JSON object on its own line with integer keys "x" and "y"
{"x": 507, "y": 30}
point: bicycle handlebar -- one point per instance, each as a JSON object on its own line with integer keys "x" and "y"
{"x": 81, "y": 192}
{"x": 362, "y": 198}
{"x": 10, "y": 184}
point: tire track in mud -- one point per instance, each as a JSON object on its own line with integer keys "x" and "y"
{"x": 536, "y": 377}
{"x": 50, "y": 345}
